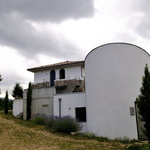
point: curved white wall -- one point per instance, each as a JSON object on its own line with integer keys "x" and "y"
{"x": 113, "y": 77}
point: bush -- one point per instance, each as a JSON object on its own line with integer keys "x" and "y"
{"x": 65, "y": 124}
{"x": 145, "y": 147}
{"x": 39, "y": 120}
{"x": 139, "y": 147}
{"x": 51, "y": 121}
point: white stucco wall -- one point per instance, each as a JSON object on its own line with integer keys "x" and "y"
{"x": 17, "y": 107}
{"x": 70, "y": 73}
{"x": 41, "y": 76}
{"x": 113, "y": 79}
{"x": 68, "y": 104}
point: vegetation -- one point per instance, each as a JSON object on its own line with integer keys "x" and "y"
{"x": 17, "y": 91}
{"x": 39, "y": 120}
{"x": 1, "y": 77}
{"x": 2, "y": 101}
{"x": 0, "y": 81}
{"x": 29, "y": 100}
{"x": 6, "y": 103}
{"x": 22, "y": 134}
{"x": 65, "y": 124}
{"x": 143, "y": 102}
{"x": 139, "y": 147}
{"x": 1, "y": 104}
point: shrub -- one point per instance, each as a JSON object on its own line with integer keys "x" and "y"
{"x": 51, "y": 121}
{"x": 39, "y": 120}
{"x": 139, "y": 147}
{"x": 145, "y": 147}
{"x": 66, "y": 124}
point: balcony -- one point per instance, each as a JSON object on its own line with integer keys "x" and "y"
{"x": 69, "y": 86}
{"x": 63, "y": 85}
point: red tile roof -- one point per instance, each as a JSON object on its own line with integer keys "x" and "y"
{"x": 57, "y": 65}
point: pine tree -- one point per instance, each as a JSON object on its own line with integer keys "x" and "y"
{"x": 29, "y": 100}
{"x": 143, "y": 102}
{"x": 6, "y": 103}
{"x": 17, "y": 91}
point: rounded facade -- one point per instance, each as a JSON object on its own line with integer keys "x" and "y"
{"x": 113, "y": 77}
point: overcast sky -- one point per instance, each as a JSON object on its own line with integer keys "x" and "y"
{"x": 41, "y": 32}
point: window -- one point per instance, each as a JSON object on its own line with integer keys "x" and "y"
{"x": 62, "y": 74}
{"x": 80, "y": 114}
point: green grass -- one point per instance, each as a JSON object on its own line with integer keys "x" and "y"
{"x": 139, "y": 147}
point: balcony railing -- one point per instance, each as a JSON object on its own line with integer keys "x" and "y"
{"x": 66, "y": 85}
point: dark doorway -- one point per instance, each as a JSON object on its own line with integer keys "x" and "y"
{"x": 62, "y": 74}
{"x": 80, "y": 114}
{"x": 52, "y": 77}
{"x": 140, "y": 125}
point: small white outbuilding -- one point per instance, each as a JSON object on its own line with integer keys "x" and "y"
{"x": 17, "y": 107}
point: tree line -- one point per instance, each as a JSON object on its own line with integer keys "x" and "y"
{"x": 2, "y": 104}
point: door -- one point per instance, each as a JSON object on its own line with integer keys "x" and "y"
{"x": 140, "y": 125}
{"x": 52, "y": 77}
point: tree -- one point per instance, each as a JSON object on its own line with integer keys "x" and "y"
{"x": 0, "y": 81}
{"x": 1, "y": 104}
{"x": 143, "y": 102}
{"x": 6, "y": 103}
{"x": 1, "y": 77}
{"x": 29, "y": 100}
{"x": 17, "y": 91}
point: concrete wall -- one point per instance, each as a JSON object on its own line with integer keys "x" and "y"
{"x": 68, "y": 104}
{"x": 113, "y": 79}
{"x": 17, "y": 107}
{"x": 70, "y": 73}
{"x": 42, "y": 101}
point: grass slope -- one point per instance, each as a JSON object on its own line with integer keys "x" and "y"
{"x": 16, "y": 134}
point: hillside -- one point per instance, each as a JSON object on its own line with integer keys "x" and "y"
{"x": 23, "y": 135}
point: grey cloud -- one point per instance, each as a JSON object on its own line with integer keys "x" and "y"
{"x": 20, "y": 34}
{"x": 49, "y": 10}
{"x": 143, "y": 9}
{"x": 17, "y": 32}
{"x": 137, "y": 14}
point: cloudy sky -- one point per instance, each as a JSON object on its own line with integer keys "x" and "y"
{"x": 41, "y": 32}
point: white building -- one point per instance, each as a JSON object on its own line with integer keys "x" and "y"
{"x": 113, "y": 77}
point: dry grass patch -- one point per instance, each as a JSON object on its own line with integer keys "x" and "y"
{"x": 18, "y": 134}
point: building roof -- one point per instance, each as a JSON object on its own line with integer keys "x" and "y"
{"x": 57, "y": 65}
